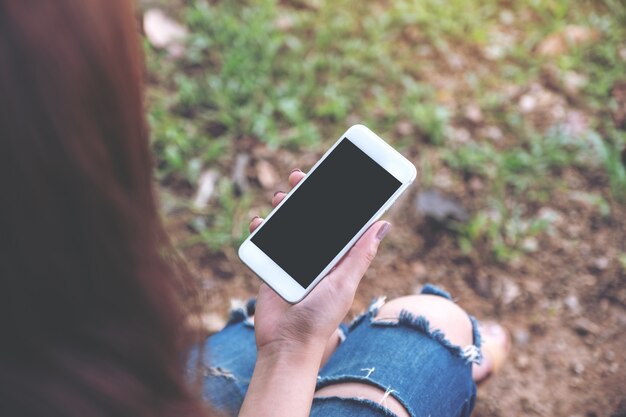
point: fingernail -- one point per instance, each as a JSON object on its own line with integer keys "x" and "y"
{"x": 383, "y": 231}
{"x": 254, "y": 218}
{"x": 278, "y": 192}
{"x": 295, "y": 170}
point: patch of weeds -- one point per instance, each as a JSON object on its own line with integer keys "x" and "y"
{"x": 226, "y": 225}
{"x": 611, "y": 154}
{"x": 235, "y": 47}
{"x": 230, "y": 85}
{"x": 602, "y": 65}
{"x": 457, "y": 20}
{"x": 516, "y": 175}
{"x": 505, "y": 233}
{"x": 431, "y": 120}
{"x": 176, "y": 142}
{"x": 596, "y": 201}
{"x": 418, "y": 106}
{"x": 526, "y": 168}
{"x": 601, "y": 61}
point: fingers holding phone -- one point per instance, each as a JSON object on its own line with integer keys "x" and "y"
{"x": 295, "y": 177}
{"x": 355, "y": 263}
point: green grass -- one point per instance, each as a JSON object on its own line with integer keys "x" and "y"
{"x": 293, "y": 74}
{"x": 224, "y": 228}
{"x": 522, "y": 175}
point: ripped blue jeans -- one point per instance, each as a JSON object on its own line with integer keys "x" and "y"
{"x": 405, "y": 358}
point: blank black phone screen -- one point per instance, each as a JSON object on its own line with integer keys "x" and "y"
{"x": 325, "y": 212}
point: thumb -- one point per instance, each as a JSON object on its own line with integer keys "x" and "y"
{"x": 353, "y": 266}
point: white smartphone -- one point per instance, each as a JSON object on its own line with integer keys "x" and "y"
{"x": 343, "y": 194}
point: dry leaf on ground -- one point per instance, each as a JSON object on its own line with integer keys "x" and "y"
{"x": 560, "y": 42}
{"x": 164, "y": 32}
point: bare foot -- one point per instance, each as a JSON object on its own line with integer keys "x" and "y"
{"x": 496, "y": 345}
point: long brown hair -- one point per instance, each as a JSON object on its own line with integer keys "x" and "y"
{"x": 90, "y": 312}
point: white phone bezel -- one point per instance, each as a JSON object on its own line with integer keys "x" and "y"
{"x": 377, "y": 149}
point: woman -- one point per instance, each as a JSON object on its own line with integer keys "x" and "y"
{"x": 91, "y": 309}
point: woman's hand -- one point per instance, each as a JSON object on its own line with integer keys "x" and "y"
{"x": 291, "y": 339}
{"x": 310, "y": 323}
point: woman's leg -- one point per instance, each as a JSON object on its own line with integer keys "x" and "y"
{"x": 441, "y": 313}
{"x": 227, "y": 359}
{"x": 230, "y": 354}
{"x": 412, "y": 355}
{"x": 225, "y": 362}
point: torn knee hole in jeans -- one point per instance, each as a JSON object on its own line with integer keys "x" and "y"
{"x": 470, "y": 353}
{"x": 364, "y": 391}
